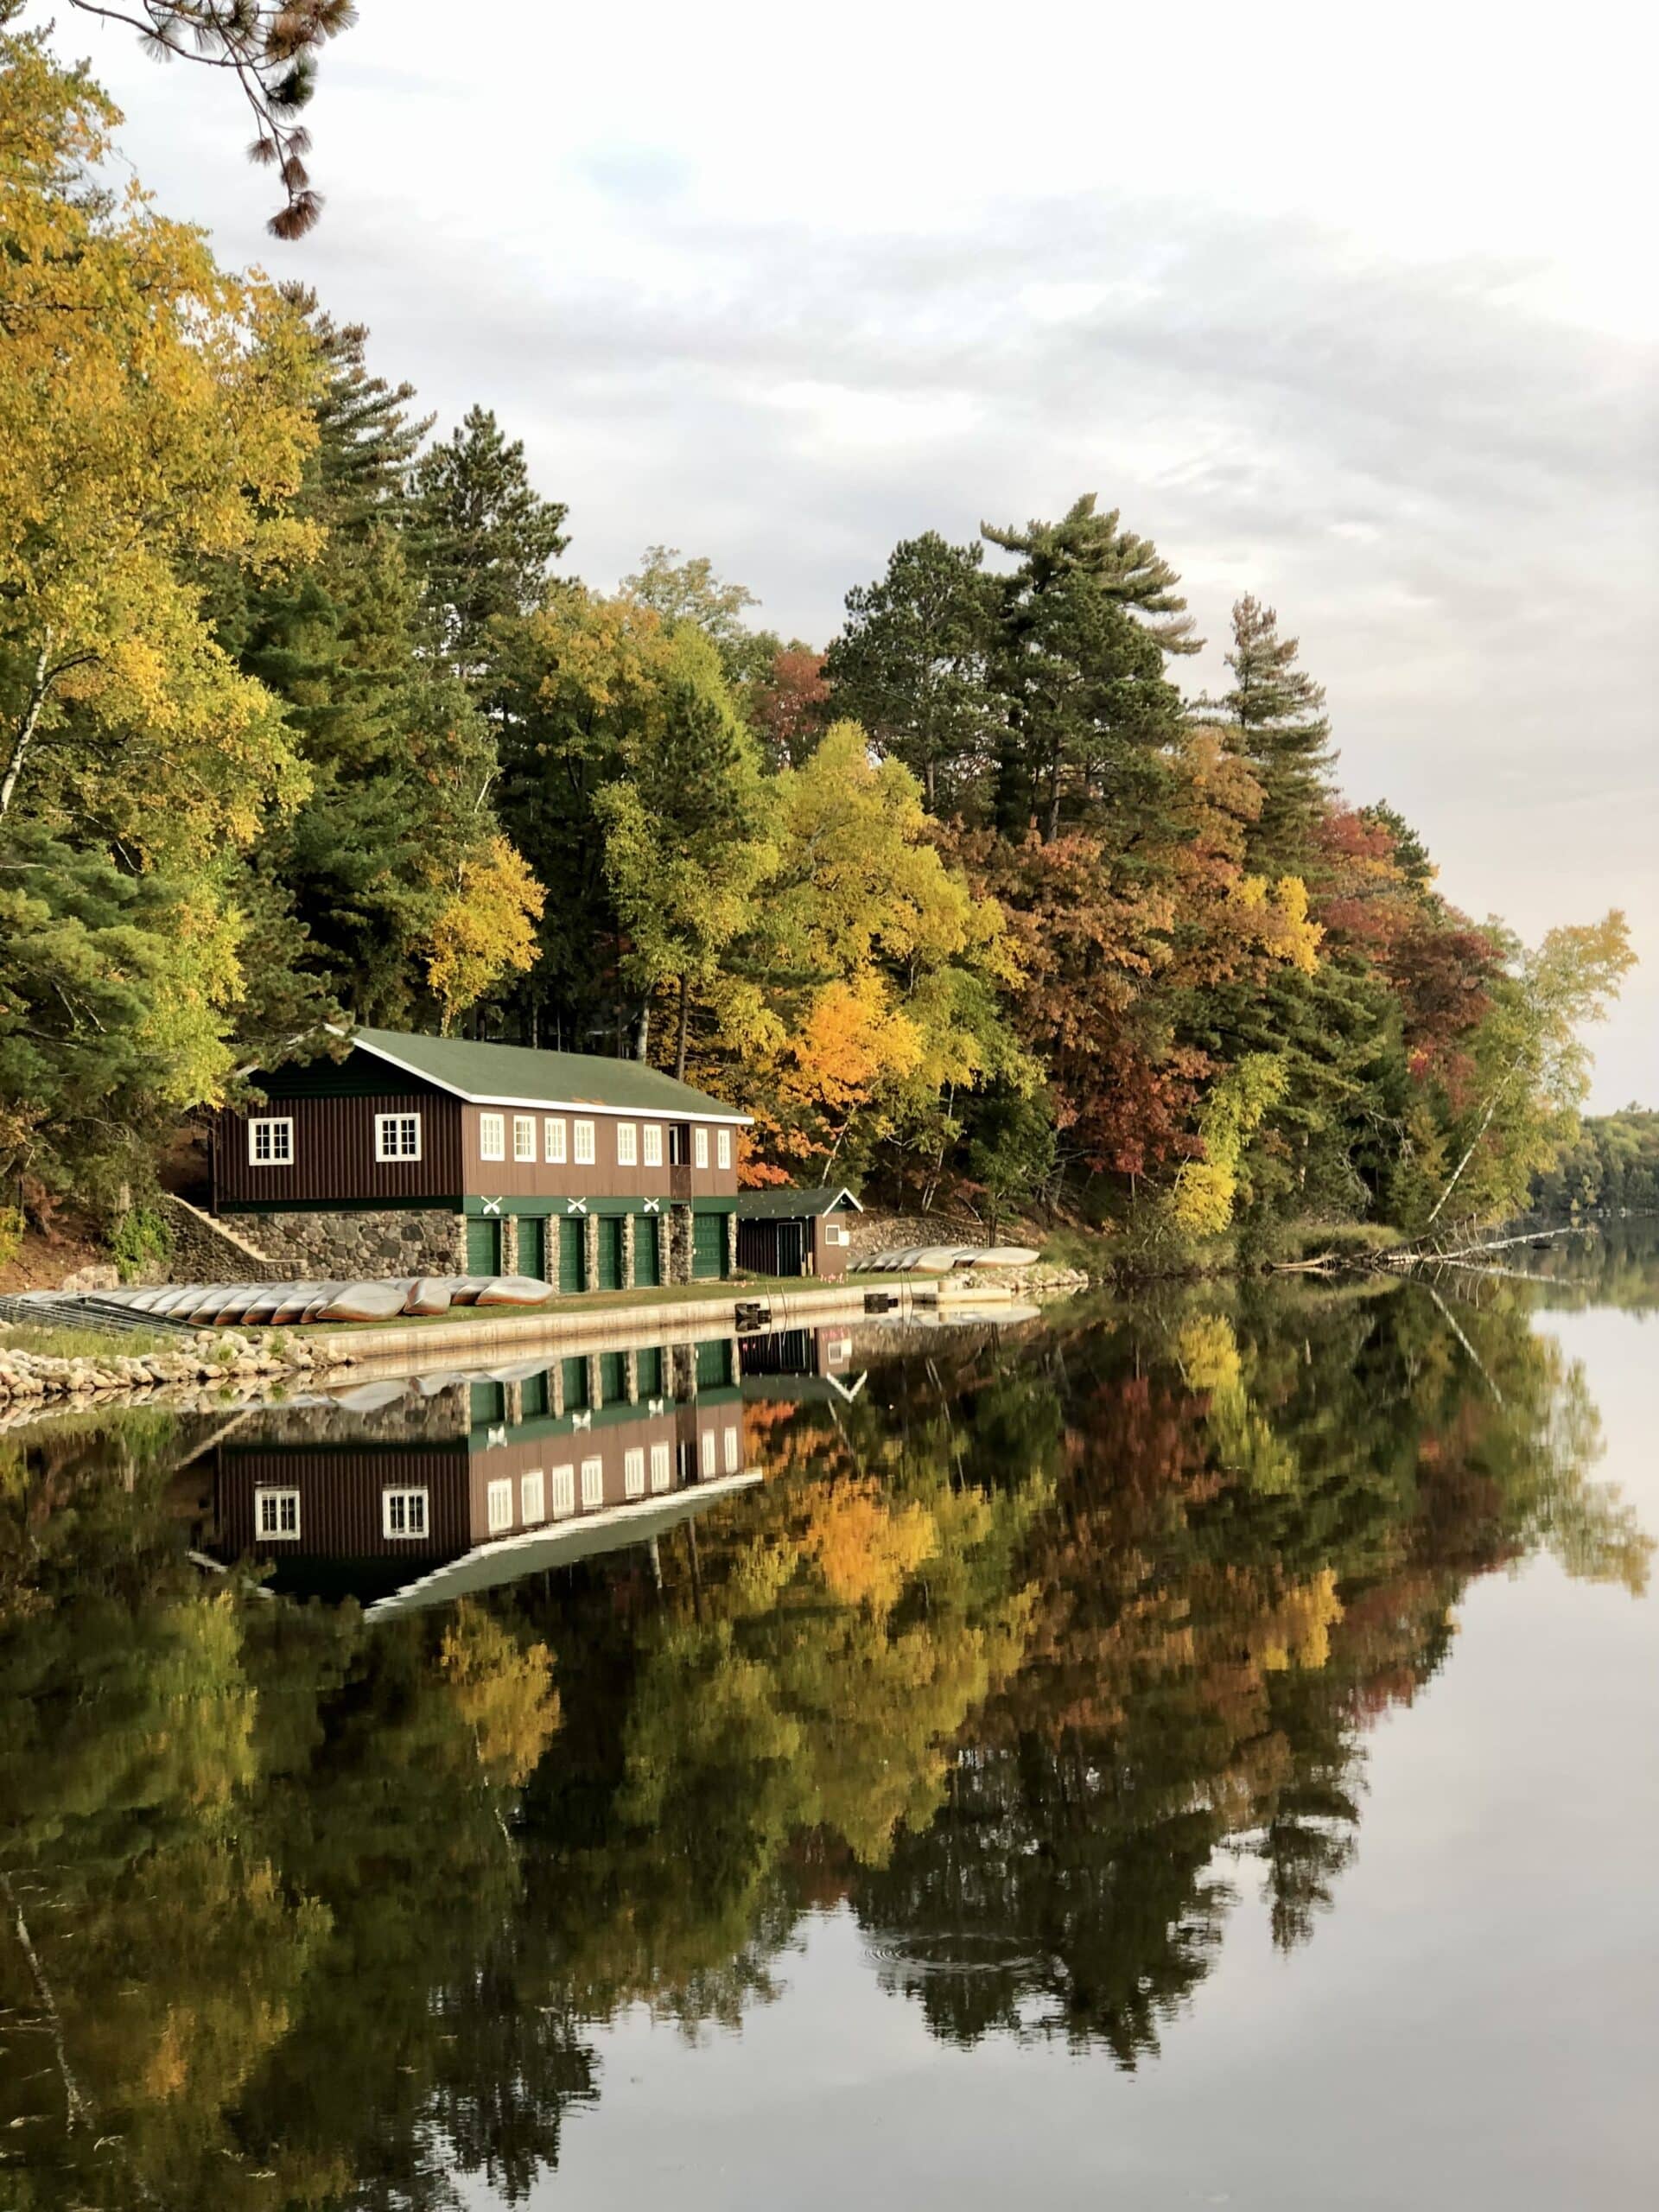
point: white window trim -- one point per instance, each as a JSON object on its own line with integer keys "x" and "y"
{"x": 627, "y": 1145}
{"x": 593, "y": 1484}
{"x": 391, "y": 1153}
{"x": 499, "y": 1504}
{"x": 731, "y": 1449}
{"x": 699, "y": 1147}
{"x": 633, "y": 1472}
{"x": 723, "y": 1148}
{"x": 273, "y": 1122}
{"x": 405, "y": 1534}
{"x": 261, "y": 1495}
{"x": 523, "y": 1139}
{"x": 651, "y": 1145}
{"x": 662, "y": 1466}
{"x": 582, "y": 1149}
{"x": 554, "y": 1146}
{"x": 563, "y": 1496}
{"x": 492, "y": 1136}
{"x": 707, "y": 1442}
{"x": 532, "y": 1497}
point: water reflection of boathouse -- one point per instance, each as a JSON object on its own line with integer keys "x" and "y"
{"x": 402, "y": 1494}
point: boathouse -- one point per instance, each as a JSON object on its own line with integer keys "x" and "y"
{"x": 434, "y": 1155}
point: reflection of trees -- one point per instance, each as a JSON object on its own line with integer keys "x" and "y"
{"x": 1032, "y": 1653}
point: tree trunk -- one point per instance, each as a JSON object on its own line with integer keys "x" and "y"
{"x": 27, "y": 727}
{"x": 685, "y": 1027}
{"x": 642, "y": 1030}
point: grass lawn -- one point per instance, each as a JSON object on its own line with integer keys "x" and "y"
{"x": 54, "y": 1343}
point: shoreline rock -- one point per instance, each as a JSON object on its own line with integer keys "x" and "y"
{"x": 209, "y": 1358}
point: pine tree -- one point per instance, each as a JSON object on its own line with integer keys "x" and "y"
{"x": 912, "y": 664}
{"x": 1279, "y": 712}
{"x": 487, "y": 540}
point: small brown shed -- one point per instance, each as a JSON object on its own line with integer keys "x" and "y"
{"x": 786, "y": 1232}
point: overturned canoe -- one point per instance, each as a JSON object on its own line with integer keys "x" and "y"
{"x": 514, "y": 1290}
{"x": 428, "y": 1295}
{"x": 366, "y": 1301}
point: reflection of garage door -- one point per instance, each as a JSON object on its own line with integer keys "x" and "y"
{"x": 646, "y": 1273}
{"x": 709, "y": 1245}
{"x": 610, "y": 1252}
{"x": 483, "y": 1246}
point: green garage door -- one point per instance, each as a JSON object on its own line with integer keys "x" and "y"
{"x": 483, "y": 1245}
{"x": 532, "y": 1246}
{"x": 708, "y": 1245}
{"x": 610, "y": 1251}
{"x": 570, "y": 1268}
{"x": 647, "y": 1273}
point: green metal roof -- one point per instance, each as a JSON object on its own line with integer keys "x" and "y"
{"x": 514, "y": 1075}
{"x": 794, "y": 1206}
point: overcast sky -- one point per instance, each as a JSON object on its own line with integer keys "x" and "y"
{"x": 1353, "y": 308}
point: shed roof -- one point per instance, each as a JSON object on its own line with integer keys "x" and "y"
{"x": 794, "y": 1206}
{"x": 516, "y": 1075}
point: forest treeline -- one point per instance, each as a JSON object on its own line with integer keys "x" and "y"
{"x": 301, "y": 720}
{"x": 1613, "y": 1161}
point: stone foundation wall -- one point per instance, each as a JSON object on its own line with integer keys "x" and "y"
{"x": 329, "y": 1247}
{"x": 206, "y": 1250}
{"x": 679, "y": 1244}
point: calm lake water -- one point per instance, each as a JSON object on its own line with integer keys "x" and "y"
{"x": 1203, "y": 1752}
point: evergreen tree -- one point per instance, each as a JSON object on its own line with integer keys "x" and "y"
{"x": 1283, "y": 731}
{"x": 488, "y": 539}
{"x": 1089, "y": 701}
{"x": 912, "y": 664}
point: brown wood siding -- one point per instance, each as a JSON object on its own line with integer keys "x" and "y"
{"x": 829, "y": 1259}
{"x": 522, "y": 1179}
{"x": 333, "y": 1154}
{"x": 339, "y": 1500}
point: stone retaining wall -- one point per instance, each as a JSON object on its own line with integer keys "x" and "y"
{"x": 335, "y": 1247}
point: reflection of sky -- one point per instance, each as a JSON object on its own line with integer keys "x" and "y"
{"x": 1472, "y": 2026}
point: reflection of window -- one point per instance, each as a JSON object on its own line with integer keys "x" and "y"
{"x": 633, "y": 1474}
{"x": 723, "y": 1147}
{"x": 627, "y": 1145}
{"x": 397, "y": 1136}
{"x": 524, "y": 1136}
{"x": 584, "y": 1144}
{"x": 530, "y": 1506}
{"x": 276, "y": 1514}
{"x": 660, "y": 1471}
{"x": 402, "y": 1512}
{"x": 653, "y": 1155}
{"x": 731, "y": 1451}
{"x": 492, "y": 1136}
{"x": 500, "y": 1505}
{"x": 699, "y": 1148}
{"x": 553, "y": 1141}
{"x": 564, "y": 1492}
{"x": 270, "y": 1143}
{"x": 593, "y": 1483}
{"x": 708, "y": 1451}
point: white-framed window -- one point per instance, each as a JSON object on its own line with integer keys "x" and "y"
{"x": 699, "y": 1147}
{"x": 277, "y": 1516}
{"x": 553, "y": 1141}
{"x": 584, "y": 1152}
{"x": 652, "y": 1137}
{"x": 270, "y": 1143}
{"x": 661, "y": 1466}
{"x": 593, "y": 1483}
{"x": 500, "y": 1501}
{"x": 723, "y": 1147}
{"x": 524, "y": 1136}
{"x": 836, "y": 1232}
{"x": 708, "y": 1451}
{"x": 678, "y": 1140}
{"x": 531, "y": 1496}
{"x": 492, "y": 1136}
{"x": 627, "y": 1145}
{"x": 397, "y": 1136}
{"x": 564, "y": 1492}
{"x": 731, "y": 1451}
{"x": 633, "y": 1474}
{"x": 402, "y": 1512}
